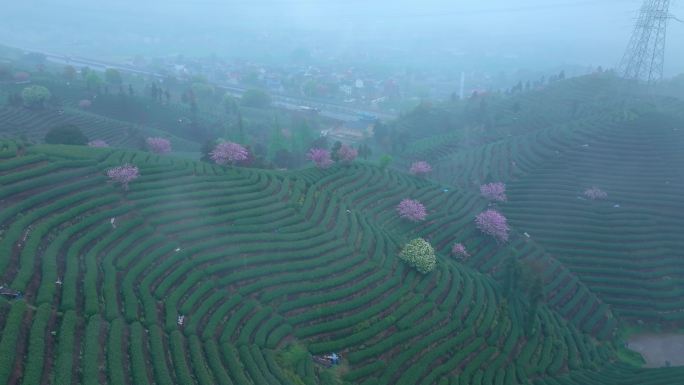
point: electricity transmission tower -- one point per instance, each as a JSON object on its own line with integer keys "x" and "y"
{"x": 645, "y": 55}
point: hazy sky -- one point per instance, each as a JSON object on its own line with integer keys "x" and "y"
{"x": 533, "y": 33}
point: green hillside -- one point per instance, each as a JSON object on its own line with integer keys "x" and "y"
{"x": 255, "y": 261}
{"x": 626, "y": 249}
{"x": 204, "y": 274}
{"x": 433, "y": 132}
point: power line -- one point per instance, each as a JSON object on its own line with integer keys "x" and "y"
{"x": 644, "y": 58}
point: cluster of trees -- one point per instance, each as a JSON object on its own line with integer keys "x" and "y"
{"x": 345, "y": 154}
{"x": 342, "y": 153}
{"x": 271, "y": 144}
{"x": 490, "y": 222}
{"x": 520, "y": 87}
{"x": 33, "y": 97}
{"x": 287, "y": 147}
{"x": 156, "y": 92}
{"x": 94, "y": 82}
{"x": 418, "y": 253}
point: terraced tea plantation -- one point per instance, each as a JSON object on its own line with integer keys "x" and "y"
{"x": 625, "y": 248}
{"x": 34, "y": 124}
{"x": 201, "y": 274}
{"x": 255, "y": 262}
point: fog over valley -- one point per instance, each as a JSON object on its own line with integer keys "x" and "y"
{"x": 341, "y": 192}
{"x": 470, "y": 35}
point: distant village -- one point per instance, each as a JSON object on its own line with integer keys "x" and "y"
{"x": 353, "y": 86}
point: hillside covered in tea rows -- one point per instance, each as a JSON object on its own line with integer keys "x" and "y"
{"x": 192, "y": 272}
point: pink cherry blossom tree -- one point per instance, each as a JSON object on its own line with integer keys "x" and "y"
{"x": 347, "y": 154}
{"x": 229, "y": 153}
{"x": 411, "y": 210}
{"x": 459, "y": 250}
{"x": 595, "y": 193}
{"x": 98, "y": 143}
{"x": 420, "y": 168}
{"x": 22, "y": 76}
{"x": 494, "y": 191}
{"x": 159, "y": 145}
{"x": 123, "y": 174}
{"x": 493, "y": 223}
{"x": 85, "y": 104}
{"x": 320, "y": 157}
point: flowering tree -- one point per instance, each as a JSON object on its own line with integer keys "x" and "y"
{"x": 228, "y": 153}
{"x": 419, "y": 254}
{"x": 98, "y": 143}
{"x": 459, "y": 250}
{"x": 411, "y": 210}
{"x": 595, "y": 193}
{"x": 347, "y": 154}
{"x": 123, "y": 174}
{"x": 492, "y": 222}
{"x": 320, "y": 157}
{"x": 84, "y": 104}
{"x": 420, "y": 168}
{"x": 159, "y": 145}
{"x": 494, "y": 191}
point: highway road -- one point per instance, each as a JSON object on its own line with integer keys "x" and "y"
{"x": 331, "y": 110}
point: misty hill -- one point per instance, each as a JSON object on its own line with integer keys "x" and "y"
{"x": 626, "y": 248}
{"x": 263, "y": 265}
{"x": 255, "y": 261}
{"x": 206, "y": 274}
{"x": 433, "y": 131}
